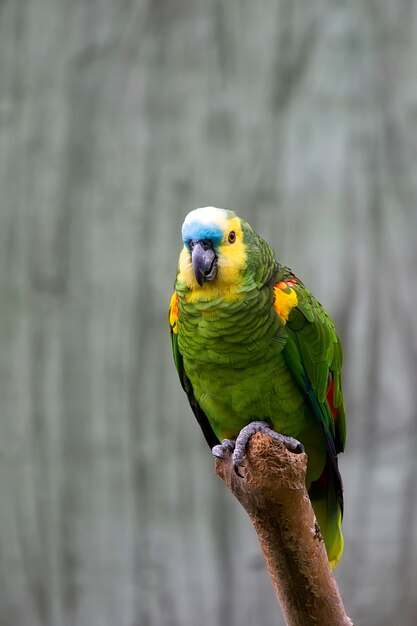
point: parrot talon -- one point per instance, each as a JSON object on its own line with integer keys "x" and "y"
{"x": 217, "y": 451}
{"x": 237, "y": 471}
{"x": 223, "y": 449}
{"x": 293, "y": 445}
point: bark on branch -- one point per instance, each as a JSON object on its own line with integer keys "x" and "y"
{"x": 274, "y": 495}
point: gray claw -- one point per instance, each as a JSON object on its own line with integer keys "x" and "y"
{"x": 236, "y": 470}
{"x": 293, "y": 445}
{"x": 223, "y": 449}
{"x": 217, "y": 451}
{"x": 260, "y": 427}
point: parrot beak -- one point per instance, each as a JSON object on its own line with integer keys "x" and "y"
{"x": 204, "y": 260}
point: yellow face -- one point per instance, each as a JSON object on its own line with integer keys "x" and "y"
{"x": 226, "y": 233}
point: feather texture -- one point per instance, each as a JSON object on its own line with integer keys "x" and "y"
{"x": 254, "y": 344}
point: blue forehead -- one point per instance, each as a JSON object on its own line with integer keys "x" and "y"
{"x": 195, "y": 231}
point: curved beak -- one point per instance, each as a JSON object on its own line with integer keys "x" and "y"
{"x": 204, "y": 260}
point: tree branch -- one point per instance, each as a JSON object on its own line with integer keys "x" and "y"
{"x": 274, "y": 495}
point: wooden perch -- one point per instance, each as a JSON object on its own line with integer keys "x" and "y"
{"x": 274, "y": 495}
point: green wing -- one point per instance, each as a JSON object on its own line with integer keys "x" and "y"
{"x": 314, "y": 356}
{"x": 202, "y": 419}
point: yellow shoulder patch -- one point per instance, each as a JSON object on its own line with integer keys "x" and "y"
{"x": 284, "y": 301}
{"x": 173, "y": 313}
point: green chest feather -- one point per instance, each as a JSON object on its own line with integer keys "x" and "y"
{"x": 233, "y": 358}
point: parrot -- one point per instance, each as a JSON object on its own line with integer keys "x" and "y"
{"x": 256, "y": 352}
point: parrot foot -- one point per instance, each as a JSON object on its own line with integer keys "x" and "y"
{"x": 224, "y": 448}
{"x": 260, "y": 427}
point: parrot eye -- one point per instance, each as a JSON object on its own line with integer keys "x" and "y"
{"x": 232, "y": 237}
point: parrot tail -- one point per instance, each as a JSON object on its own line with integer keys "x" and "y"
{"x": 326, "y": 495}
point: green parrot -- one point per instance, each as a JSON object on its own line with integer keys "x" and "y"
{"x": 254, "y": 350}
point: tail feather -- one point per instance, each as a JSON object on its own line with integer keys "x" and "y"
{"x": 327, "y": 499}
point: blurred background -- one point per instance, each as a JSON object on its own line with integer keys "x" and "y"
{"x": 116, "y": 118}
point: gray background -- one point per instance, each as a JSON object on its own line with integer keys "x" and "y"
{"x": 116, "y": 118}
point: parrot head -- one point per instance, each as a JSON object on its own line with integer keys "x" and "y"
{"x": 214, "y": 253}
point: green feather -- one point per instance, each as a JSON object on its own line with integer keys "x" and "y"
{"x": 238, "y": 361}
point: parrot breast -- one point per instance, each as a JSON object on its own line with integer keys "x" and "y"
{"x": 233, "y": 358}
